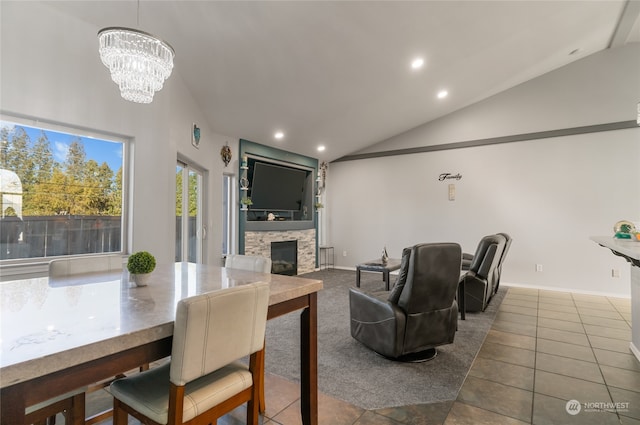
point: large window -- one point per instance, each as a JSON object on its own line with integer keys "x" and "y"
{"x": 62, "y": 192}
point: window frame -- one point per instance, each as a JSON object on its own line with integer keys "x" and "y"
{"x": 19, "y": 266}
{"x": 229, "y": 234}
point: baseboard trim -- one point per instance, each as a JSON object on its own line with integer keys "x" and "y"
{"x": 635, "y": 351}
{"x": 572, "y": 290}
{"x": 521, "y": 285}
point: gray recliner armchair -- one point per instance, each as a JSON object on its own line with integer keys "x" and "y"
{"x": 507, "y": 245}
{"x": 419, "y": 313}
{"x": 482, "y": 280}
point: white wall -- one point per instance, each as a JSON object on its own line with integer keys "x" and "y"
{"x": 51, "y": 71}
{"x": 550, "y": 195}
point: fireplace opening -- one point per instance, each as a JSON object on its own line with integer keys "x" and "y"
{"x": 284, "y": 258}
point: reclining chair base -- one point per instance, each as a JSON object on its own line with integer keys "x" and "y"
{"x": 419, "y": 357}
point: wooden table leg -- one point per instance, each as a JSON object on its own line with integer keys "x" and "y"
{"x": 13, "y": 406}
{"x": 262, "y": 405}
{"x": 461, "y": 299}
{"x": 385, "y": 278}
{"x": 358, "y": 276}
{"x": 309, "y": 362}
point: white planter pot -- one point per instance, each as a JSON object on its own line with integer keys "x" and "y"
{"x": 140, "y": 279}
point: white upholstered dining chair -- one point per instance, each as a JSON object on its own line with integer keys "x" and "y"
{"x": 252, "y": 263}
{"x": 71, "y": 266}
{"x": 248, "y": 262}
{"x": 71, "y": 405}
{"x": 204, "y": 379}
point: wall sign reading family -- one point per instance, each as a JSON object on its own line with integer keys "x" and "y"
{"x": 448, "y": 176}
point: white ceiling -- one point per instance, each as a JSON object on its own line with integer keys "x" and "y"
{"x": 338, "y": 73}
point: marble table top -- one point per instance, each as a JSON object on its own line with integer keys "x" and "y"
{"x": 48, "y": 324}
{"x": 629, "y": 247}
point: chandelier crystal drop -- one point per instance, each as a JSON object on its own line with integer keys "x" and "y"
{"x": 138, "y": 61}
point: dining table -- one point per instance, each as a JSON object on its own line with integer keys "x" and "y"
{"x": 64, "y": 333}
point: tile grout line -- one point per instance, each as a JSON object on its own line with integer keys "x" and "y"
{"x": 606, "y": 385}
{"x": 535, "y": 362}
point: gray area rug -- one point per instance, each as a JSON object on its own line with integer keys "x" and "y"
{"x": 349, "y": 371}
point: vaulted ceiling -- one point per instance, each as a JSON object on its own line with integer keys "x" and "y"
{"x": 339, "y": 74}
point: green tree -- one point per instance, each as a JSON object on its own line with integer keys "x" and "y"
{"x": 75, "y": 186}
{"x": 96, "y": 188}
{"x": 89, "y": 197}
{"x": 18, "y": 159}
{"x": 37, "y": 200}
{"x": 42, "y": 157}
{"x": 55, "y": 197}
{"x": 115, "y": 197}
{"x": 4, "y": 147}
{"x": 193, "y": 194}
{"x": 179, "y": 192}
{"x": 75, "y": 161}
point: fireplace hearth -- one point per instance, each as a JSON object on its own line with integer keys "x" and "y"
{"x": 284, "y": 257}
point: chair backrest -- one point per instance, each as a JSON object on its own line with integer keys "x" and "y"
{"x": 487, "y": 255}
{"x": 214, "y": 329}
{"x": 248, "y": 262}
{"x": 80, "y": 265}
{"x": 394, "y": 296}
{"x": 432, "y": 277}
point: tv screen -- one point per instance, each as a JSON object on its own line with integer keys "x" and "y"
{"x": 275, "y": 187}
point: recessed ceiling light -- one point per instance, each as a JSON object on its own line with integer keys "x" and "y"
{"x": 417, "y": 63}
{"x": 442, "y": 94}
{"x": 279, "y": 135}
{"x": 321, "y": 148}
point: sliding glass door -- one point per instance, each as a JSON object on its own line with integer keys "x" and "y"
{"x": 190, "y": 228}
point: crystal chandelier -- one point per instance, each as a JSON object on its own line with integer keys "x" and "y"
{"x": 138, "y": 61}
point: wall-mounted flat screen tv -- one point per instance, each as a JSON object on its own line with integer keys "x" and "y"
{"x": 275, "y": 187}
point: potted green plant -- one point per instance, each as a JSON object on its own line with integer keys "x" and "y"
{"x": 140, "y": 264}
{"x": 246, "y": 202}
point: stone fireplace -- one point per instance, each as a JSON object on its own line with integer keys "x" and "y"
{"x": 259, "y": 243}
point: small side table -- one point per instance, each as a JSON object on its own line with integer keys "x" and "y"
{"x": 324, "y": 257}
{"x": 378, "y": 266}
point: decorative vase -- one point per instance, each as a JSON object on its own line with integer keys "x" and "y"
{"x": 140, "y": 279}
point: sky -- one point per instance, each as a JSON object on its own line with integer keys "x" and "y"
{"x": 100, "y": 150}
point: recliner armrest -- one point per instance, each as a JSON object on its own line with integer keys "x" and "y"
{"x": 471, "y": 275}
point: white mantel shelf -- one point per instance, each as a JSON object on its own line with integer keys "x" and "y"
{"x": 630, "y": 251}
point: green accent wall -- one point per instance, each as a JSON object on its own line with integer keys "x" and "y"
{"x": 263, "y": 152}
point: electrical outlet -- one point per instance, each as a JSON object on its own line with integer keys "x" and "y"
{"x": 615, "y": 272}
{"x": 538, "y": 267}
{"x": 344, "y": 253}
